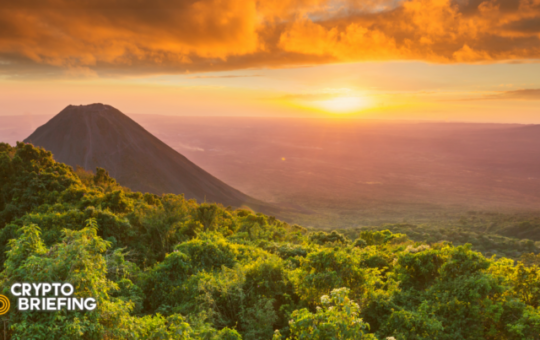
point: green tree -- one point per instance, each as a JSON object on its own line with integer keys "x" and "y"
{"x": 337, "y": 319}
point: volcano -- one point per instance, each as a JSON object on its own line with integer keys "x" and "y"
{"x": 99, "y": 135}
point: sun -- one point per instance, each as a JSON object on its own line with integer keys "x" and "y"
{"x": 348, "y": 104}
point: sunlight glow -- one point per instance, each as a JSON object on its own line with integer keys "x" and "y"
{"x": 343, "y": 104}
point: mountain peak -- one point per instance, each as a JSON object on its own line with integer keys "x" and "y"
{"x": 89, "y": 108}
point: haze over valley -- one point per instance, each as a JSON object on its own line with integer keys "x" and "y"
{"x": 349, "y": 172}
{"x": 357, "y": 172}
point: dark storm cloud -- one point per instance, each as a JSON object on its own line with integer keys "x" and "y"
{"x": 525, "y": 26}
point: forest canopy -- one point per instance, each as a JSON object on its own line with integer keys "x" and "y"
{"x": 163, "y": 267}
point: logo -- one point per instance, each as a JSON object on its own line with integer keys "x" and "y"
{"x": 37, "y": 297}
{"x": 4, "y": 304}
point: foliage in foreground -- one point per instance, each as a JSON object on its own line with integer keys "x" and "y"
{"x": 162, "y": 267}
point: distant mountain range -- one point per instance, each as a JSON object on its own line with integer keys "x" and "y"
{"x": 99, "y": 135}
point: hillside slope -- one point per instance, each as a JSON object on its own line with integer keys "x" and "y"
{"x": 99, "y": 135}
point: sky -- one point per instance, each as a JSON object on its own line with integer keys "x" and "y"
{"x": 437, "y": 60}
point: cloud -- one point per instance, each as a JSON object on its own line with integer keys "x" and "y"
{"x": 526, "y": 26}
{"x": 521, "y": 94}
{"x": 327, "y": 93}
{"x": 524, "y": 94}
{"x": 125, "y": 37}
{"x": 225, "y": 76}
{"x": 306, "y": 96}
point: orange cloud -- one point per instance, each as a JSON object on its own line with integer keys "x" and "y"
{"x": 104, "y": 37}
{"x": 430, "y": 30}
{"x": 522, "y": 94}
